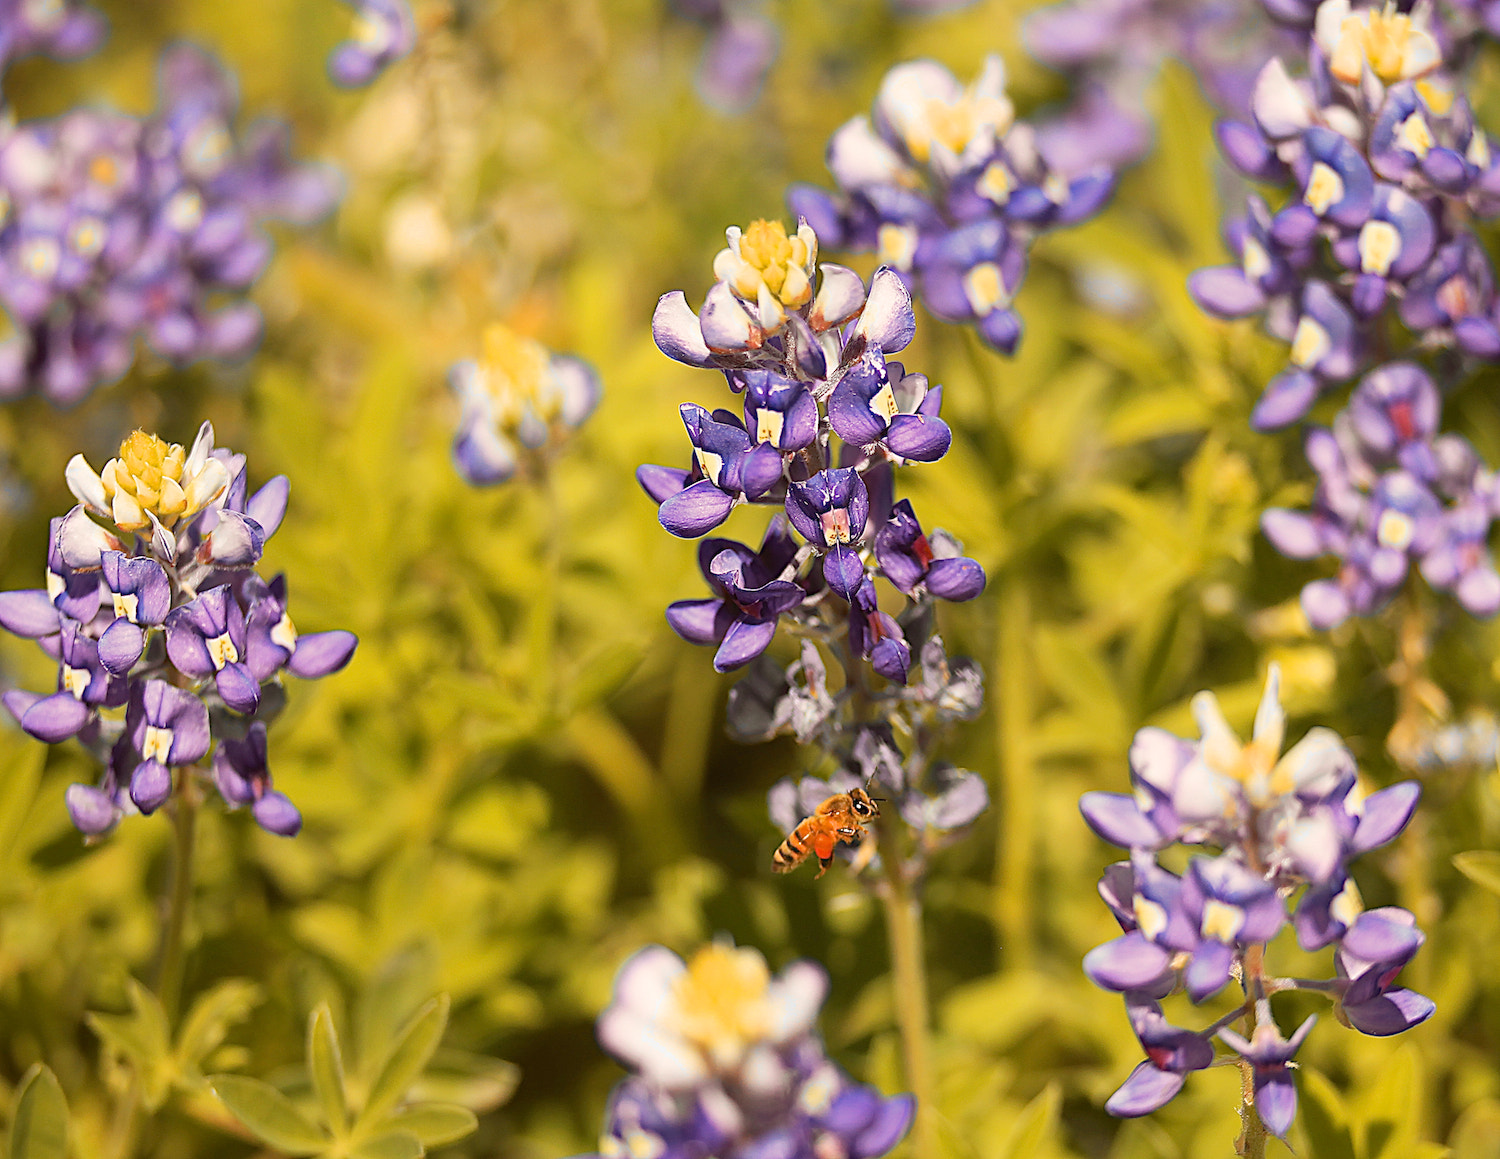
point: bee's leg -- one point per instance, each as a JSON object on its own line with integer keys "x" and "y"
{"x": 823, "y": 864}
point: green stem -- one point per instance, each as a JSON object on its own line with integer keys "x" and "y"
{"x": 1015, "y": 884}
{"x": 169, "y": 967}
{"x": 903, "y": 921}
{"x": 1252, "y": 1141}
{"x": 542, "y": 620}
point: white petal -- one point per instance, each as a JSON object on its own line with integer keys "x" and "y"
{"x": 1219, "y": 746}
{"x": 1278, "y": 103}
{"x": 795, "y": 998}
{"x": 202, "y": 445}
{"x": 86, "y": 485}
{"x": 1315, "y": 764}
{"x": 1270, "y": 720}
{"x": 207, "y": 485}
{"x": 663, "y": 1059}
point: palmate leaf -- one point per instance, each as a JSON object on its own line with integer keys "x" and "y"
{"x": 408, "y": 1058}
{"x": 433, "y": 1123}
{"x": 39, "y": 1124}
{"x": 325, "y": 1066}
{"x": 393, "y": 1145}
{"x": 209, "y": 1020}
{"x": 143, "y": 1037}
{"x": 269, "y": 1115}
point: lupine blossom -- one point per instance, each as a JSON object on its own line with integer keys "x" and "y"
{"x": 384, "y": 31}
{"x": 118, "y": 229}
{"x": 725, "y": 1060}
{"x": 1269, "y": 824}
{"x": 517, "y": 402}
{"x": 949, "y": 191}
{"x": 152, "y": 605}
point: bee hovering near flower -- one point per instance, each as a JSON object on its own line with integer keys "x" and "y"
{"x": 840, "y": 818}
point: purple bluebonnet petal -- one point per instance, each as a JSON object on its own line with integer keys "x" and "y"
{"x": 1130, "y": 962}
{"x": 120, "y": 646}
{"x": 890, "y": 1125}
{"x": 275, "y": 813}
{"x": 238, "y": 688}
{"x": 1288, "y": 397}
{"x": 150, "y": 786}
{"x": 888, "y": 320}
{"x": 236, "y": 541}
{"x": 52, "y": 718}
{"x": 1393, "y": 1012}
{"x": 30, "y": 614}
{"x": 1208, "y": 970}
{"x": 1384, "y": 814}
{"x": 319, "y": 654}
{"x": 677, "y": 332}
{"x": 1224, "y": 291}
{"x": 1118, "y": 819}
{"x": 93, "y": 812}
{"x": 695, "y": 511}
{"x": 843, "y": 569}
{"x": 919, "y": 438}
{"x": 661, "y": 483}
{"x": 1147, "y": 1089}
{"x": 700, "y": 621}
{"x": 957, "y": 579}
{"x": 743, "y": 642}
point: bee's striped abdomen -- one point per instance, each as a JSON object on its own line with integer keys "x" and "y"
{"x": 793, "y": 851}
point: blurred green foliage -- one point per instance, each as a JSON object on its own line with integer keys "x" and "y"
{"x": 523, "y": 776}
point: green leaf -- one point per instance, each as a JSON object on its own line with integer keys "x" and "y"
{"x": 395, "y": 1145}
{"x": 210, "y": 1018}
{"x": 407, "y": 1059}
{"x": 23, "y": 773}
{"x": 268, "y": 1114}
{"x": 1036, "y": 1126}
{"x": 1323, "y": 1118}
{"x": 434, "y": 1123}
{"x": 39, "y": 1125}
{"x": 1477, "y": 1132}
{"x": 142, "y": 1037}
{"x": 1391, "y": 1108}
{"x": 326, "y": 1066}
{"x": 1481, "y": 866}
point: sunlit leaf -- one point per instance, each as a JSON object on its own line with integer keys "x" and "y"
{"x": 413, "y": 1049}
{"x": 395, "y": 1145}
{"x": 326, "y": 1066}
{"x": 212, "y": 1014}
{"x": 268, "y": 1114}
{"x": 433, "y": 1123}
{"x": 39, "y": 1123}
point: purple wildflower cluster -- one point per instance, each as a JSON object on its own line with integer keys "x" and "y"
{"x": 517, "y": 402}
{"x": 64, "y": 29}
{"x": 725, "y": 1060}
{"x": 1392, "y": 492}
{"x": 810, "y": 361}
{"x": 1280, "y": 824}
{"x": 950, "y": 191}
{"x": 116, "y": 228}
{"x": 1387, "y": 172}
{"x": 384, "y": 32}
{"x": 153, "y": 607}
{"x": 810, "y": 366}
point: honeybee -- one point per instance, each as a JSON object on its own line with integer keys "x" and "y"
{"x": 840, "y": 818}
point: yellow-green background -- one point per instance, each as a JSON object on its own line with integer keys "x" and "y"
{"x": 503, "y": 800}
